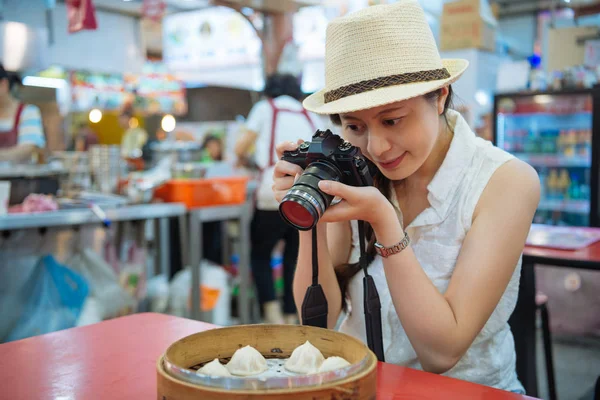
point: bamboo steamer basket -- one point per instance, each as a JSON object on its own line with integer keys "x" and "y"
{"x": 177, "y": 378}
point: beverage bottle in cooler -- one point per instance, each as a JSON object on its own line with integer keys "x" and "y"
{"x": 563, "y": 184}
{"x": 574, "y": 188}
{"x": 586, "y": 147}
{"x": 543, "y": 181}
{"x": 560, "y": 142}
{"x": 571, "y": 142}
{"x": 552, "y": 184}
{"x": 584, "y": 191}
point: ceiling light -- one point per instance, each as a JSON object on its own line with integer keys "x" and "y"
{"x": 95, "y": 116}
{"x": 168, "y": 123}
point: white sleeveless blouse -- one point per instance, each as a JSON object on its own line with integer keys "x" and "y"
{"x": 437, "y": 235}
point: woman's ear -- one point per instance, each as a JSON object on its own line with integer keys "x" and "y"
{"x": 441, "y": 100}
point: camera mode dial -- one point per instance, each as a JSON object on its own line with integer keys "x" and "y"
{"x": 345, "y": 146}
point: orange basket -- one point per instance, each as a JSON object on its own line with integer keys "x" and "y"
{"x": 204, "y": 192}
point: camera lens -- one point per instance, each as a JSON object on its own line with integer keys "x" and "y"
{"x": 304, "y": 204}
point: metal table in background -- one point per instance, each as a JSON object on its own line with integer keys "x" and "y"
{"x": 161, "y": 212}
{"x": 196, "y": 217}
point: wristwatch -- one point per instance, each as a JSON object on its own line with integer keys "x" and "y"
{"x": 395, "y": 249}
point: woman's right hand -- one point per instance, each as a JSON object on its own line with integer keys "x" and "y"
{"x": 285, "y": 172}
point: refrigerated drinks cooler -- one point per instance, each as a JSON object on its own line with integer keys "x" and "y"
{"x": 558, "y": 133}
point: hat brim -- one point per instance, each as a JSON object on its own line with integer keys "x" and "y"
{"x": 378, "y": 97}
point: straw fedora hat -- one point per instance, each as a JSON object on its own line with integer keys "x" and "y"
{"x": 380, "y": 55}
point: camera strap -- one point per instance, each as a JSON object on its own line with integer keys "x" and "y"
{"x": 314, "y": 306}
{"x": 372, "y": 304}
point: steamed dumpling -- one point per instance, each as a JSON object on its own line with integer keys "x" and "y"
{"x": 214, "y": 368}
{"x": 247, "y": 361}
{"x": 305, "y": 359}
{"x": 333, "y": 363}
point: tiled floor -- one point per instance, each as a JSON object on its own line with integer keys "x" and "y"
{"x": 576, "y": 367}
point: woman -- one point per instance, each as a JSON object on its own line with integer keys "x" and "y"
{"x": 134, "y": 138}
{"x": 277, "y": 118}
{"x": 459, "y": 208}
{"x": 21, "y": 131}
{"x": 212, "y": 145}
{"x": 84, "y": 137}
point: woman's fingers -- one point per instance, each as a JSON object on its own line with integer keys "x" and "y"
{"x": 334, "y": 188}
{"x": 342, "y": 211}
{"x": 283, "y": 168}
{"x": 284, "y": 183}
{"x": 285, "y": 146}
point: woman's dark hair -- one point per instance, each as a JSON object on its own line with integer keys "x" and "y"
{"x": 345, "y": 272}
{"x": 13, "y": 79}
{"x": 283, "y": 85}
{"x": 127, "y": 111}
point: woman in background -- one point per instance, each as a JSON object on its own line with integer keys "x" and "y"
{"x": 213, "y": 147}
{"x": 134, "y": 137}
{"x": 21, "y": 131}
{"x": 279, "y": 117}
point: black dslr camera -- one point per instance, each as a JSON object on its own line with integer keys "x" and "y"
{"x": 327, "y": 157}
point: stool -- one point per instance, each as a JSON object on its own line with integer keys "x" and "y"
{"x": 541, "y": 301}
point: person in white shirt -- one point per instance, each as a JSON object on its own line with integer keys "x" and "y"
{"x": 447, "y": 217}
{"x": 21, "y": 130}
{"x": 279, "y": 117}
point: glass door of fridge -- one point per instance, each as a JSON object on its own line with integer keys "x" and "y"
{"x": 553, "y": 133}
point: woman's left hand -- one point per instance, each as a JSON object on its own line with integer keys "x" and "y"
{"x": 364, "y": 203}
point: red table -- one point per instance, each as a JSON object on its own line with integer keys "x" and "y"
{"x": 586, "y": 258}
{"x": 116, "y": 360}
{"x": 523, "y": 318}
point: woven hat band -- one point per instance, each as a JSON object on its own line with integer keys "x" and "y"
{"x": 392, "y": 80}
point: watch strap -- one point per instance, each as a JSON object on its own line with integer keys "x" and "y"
{"x": 384, "y": 251}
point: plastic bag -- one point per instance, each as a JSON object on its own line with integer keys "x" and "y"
{"x": 104, "y": 285}
{"x": 128, "y": 262}
{"x": 157, "y": 293}
{"x": 215, "y": 293}
{"x": 91, "y": 313}
{"x": 55, "y": 297}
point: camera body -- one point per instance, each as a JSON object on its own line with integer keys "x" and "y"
{"x": 328, "y": 157}
{"x": 331, "y": 148}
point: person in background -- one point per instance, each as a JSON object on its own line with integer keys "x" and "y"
{"x": 85, "y": 137}
{"x": 279, "y": 117}
{"x": 134, "y": 137}
{"x": 213, "y": 147}
{"x": 21, "y": 131}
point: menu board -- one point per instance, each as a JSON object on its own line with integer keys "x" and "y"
{"x": 90, "y": 90}
{"x": 154, "y": 90}
{"x": 209, "y": 39}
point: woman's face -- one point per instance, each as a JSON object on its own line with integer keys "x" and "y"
{"x": 213, "y": 147}
{"x": 396, "y": 137}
